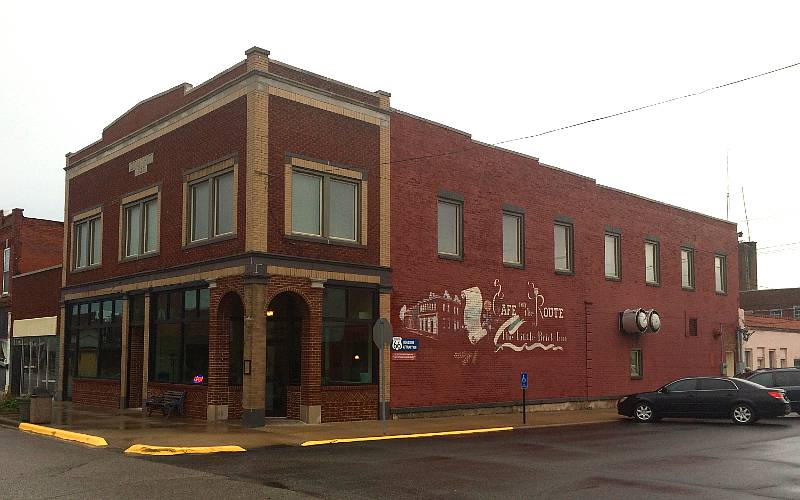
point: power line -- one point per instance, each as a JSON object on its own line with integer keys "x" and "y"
{"x": 606, "y": 117}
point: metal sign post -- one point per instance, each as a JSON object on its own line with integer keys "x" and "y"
{"x": 382, "y": 336}
{"x": 524, "y": 383}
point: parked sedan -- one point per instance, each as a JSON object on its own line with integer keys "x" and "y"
{"x": 787, "y": 379}
{"x": 707, "y": 397}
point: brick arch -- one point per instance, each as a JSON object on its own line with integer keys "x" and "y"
{"x": 221, "y": 291}
{"x": 270, "y": 296}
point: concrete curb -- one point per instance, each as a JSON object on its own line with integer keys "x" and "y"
{"x": 62, "y": 434}
{"x": 406, "y": 436}
{"x": 145, "y": 449}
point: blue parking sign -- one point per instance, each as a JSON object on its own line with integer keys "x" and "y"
{"x": 524, "y": 380}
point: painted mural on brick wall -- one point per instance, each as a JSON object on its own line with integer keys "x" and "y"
{"x": 513, "y": 323}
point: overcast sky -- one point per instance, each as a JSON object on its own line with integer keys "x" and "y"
{"x": 497, "y": 70}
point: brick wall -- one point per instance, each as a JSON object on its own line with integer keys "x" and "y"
{"x": 40, "y": 246}
{"x": 136, "y": 364}
{"x": 343, "y": 403}
{"x": 195, "y": 406}
{"x": 594, "y": 357}
{"x": 96, "y": 392}
{"x": 37, "y": 295}
{"x": 234, "y": 403}
{"x": 212, "y": 137}
{"x": 299, "y": 129}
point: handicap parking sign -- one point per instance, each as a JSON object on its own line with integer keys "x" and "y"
{"x": 524, "y": 380}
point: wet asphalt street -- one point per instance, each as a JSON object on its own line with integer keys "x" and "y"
{"x": 708, "y": 459}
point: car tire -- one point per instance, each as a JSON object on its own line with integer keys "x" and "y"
{"x": 644, "y": 413}
{"x": 743, "y": 414}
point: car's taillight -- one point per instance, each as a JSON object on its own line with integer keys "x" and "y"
{"x": 775, "y": 394}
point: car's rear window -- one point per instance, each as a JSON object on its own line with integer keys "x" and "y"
{"x": 787, "y": 378}
{"x": 687, "y": 384}
{"x": 749, "y": 383}
{"x": 716, "y": 384}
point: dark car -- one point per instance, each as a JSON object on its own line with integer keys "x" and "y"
{"x": 787, "y": 379}
{"x": 707, "y": 397}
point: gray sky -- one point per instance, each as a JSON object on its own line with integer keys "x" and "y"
{"x": 497, "y": 70}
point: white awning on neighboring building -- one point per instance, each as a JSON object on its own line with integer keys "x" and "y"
{"x": 36, "y": 327}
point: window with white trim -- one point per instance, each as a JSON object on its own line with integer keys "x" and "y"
{"x": 687, "y": 268}
{"x": 613, "y": 258}
{"x": 720, "y": 274}
{"x": 651, "y": 262}
{"x": 140, "y": 221}
{"x": 636, "y": 363}
{"x": 6, "y": 269}
{"x": 450, "y": 214}
{"x": 512, "y": 238}
{"x": 211, "y": 206}
{"x": 562, "y": 245}
{"x": 325, "y": 206}
{"x": 88, "y": 239}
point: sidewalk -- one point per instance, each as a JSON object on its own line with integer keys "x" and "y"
{"x": 122, "y": 429}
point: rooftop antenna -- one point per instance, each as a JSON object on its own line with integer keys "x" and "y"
{"x": 728, "y": 193}
{"x": 745, "y": 215}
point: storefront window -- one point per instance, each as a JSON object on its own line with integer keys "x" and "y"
{"x": 36, "y": 363}
{"x": 179, "y": 340}
{"x": 95, "y": 339}
{"x": 349, "y": 355}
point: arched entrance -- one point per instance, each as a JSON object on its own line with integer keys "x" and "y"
{"x": 285, "y": 315}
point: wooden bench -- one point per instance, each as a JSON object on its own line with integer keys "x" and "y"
{"x": 169, "y": 402}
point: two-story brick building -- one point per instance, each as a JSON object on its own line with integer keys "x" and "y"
{"x": 29, "y": 296}
{"x": 237, "y": 240}
{"x": 203, "y": 207}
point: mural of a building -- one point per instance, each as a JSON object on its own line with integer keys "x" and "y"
{"x": 436, "y": 315}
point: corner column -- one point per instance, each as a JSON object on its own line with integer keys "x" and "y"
{"x": 218, "y": 345}
{"x": 62, "y": 314}
{"x": 146, "y": 348}
{"x": 123, "y": 357}
{"x": 255, "y": 350}
{"x": 311, "y": 357}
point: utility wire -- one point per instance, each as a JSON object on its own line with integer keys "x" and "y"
{"x": 605, "y": 117}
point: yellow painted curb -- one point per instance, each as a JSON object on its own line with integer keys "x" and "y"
{"x": 407, "y": 436}
{"x": 62, "y": 434}
{"x": 145, "y": 449}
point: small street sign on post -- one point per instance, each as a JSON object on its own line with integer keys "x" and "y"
{"x": 382, "y": 336}
{"x": 523, "y": 381}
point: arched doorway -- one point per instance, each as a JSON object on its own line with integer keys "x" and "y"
{"x": 285, "y": 315}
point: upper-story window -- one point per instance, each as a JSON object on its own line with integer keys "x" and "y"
{"x": 211, "y": 202}
{"x": 140, "y": 222}
{"x": 6, "y": 269}
{"x": 562, "y": 233}
{"x": 687, "y": 268}
{"x": 450, "y": 217}
{"x": 325, "y": 202}
{"x": 513, "y": 225}
{"x": 796, "y": 312}
{"x": 652, "y": 272}
{"x": 87, "y": 236}
{"x": 613, "y": 256}
{"x": 720, "y": 274}
{"x": 325, "y": 206}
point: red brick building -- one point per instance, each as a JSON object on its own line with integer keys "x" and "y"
{"x": 544, "y": 261}
{"x": 237, "y": 240}
{"x": 29, "y": 296}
